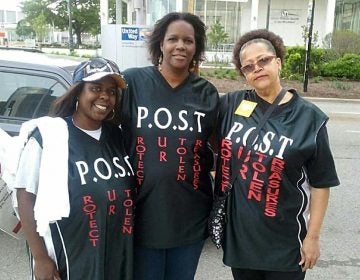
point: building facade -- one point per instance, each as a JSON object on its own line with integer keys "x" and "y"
{"x": 347, "y": 15}
{"x": 286, "y": 18}
{"x": 10, "y": 15}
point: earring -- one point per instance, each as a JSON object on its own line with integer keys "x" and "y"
{"x": 160, "y": 61}
{"x": 113, "y": 115}
{"x": 194, "y": 67}
{"x": 76, "y": 105}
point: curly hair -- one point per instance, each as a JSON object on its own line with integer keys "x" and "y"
{"x": 274, "y": 43}
{"x": 160, "y": 28}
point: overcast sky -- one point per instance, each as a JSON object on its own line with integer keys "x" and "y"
{"x": 10, "y": 5}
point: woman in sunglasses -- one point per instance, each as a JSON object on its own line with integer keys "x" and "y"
{"x": 75, "y": 199}
{"x": 274, "y": 168}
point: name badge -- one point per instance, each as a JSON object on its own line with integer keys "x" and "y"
{"x": 245, "y": 108}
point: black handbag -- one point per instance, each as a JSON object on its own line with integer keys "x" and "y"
{"x": 217, "y": 218}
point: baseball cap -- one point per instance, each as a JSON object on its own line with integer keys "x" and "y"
{"x": 97, "y": 68}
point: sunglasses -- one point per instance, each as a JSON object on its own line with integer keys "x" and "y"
{"x": 261, "y": 63}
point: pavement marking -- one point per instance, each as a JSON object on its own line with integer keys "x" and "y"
{"x": 353, "y": 131}
{"x": 346, "y": 113}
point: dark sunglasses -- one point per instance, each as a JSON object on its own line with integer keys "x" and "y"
{"x": 261, "y": 63}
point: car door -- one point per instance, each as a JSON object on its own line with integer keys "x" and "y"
{"x": 27, "y": 90}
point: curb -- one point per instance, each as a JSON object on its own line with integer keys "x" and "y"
{"x": 342, "y": 100}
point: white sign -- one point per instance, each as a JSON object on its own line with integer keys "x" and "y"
{"x": 9, "y": 223}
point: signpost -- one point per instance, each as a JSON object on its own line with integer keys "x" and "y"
{"x": 308, "y": 47}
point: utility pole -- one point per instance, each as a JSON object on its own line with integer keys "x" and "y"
{"x": 308, "y": 49}
{"x": 71, "y": 44}
{"x": 268, "y": 14}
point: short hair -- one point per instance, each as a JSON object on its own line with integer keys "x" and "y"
{"x": 274, "y": 43}
{"x": 160, "y": 28}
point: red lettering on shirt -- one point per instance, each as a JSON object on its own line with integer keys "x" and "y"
{"x": 127, "y": 225}
{"x": 140, "y": 149}
{"x": 196, "y": 165}
{"x": 90, "y": 209}
{"x": 225, "y": 157}
{"x": 181, "y": 152}
{"x": 257, "y": 183}
{"x": 273, "y": 189}
{"x": 111, "y": 210}
{"x": 162, "y": 156}
{"x": 111, "y": 195}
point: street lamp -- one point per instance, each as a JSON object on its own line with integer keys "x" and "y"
{"x": 71, "y": 45}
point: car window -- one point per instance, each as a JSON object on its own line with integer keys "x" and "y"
{"x": 27, "y": 96}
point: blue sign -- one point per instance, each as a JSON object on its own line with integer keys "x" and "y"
{"x": 130, "y": 34}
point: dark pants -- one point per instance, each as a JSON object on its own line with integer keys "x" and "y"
{"x": 249, "y": 274}
{"x": 177, "y": 263}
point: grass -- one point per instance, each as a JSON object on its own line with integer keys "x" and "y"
{"x": 340, "y": 85}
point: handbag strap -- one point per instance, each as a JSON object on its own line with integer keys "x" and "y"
{"x": 262, "y": 121}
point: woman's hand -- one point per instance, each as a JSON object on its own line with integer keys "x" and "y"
{"x": 45, "y": 269}
{"x": 44, "y": 266}
{"x": 310, "y": 252}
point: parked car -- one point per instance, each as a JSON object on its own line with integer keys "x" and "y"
{"x": 29, "y": 82}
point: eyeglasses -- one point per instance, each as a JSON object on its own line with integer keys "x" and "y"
{"x": 262, "y": 62}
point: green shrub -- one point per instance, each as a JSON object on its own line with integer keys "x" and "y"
{"x": 347, "y": 67}
{"x": 87, "y": 56}
{"x": 294, "y": 65}
{"x": 232, "y": 75}
{"x": 74, "y": 53}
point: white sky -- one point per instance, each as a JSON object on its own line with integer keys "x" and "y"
{"x": 10, "y": 5}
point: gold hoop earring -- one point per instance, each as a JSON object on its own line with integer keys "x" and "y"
{"x": 113, "y": 115}
{"x": 194, "y": 67}
{"x": 160, "y": 61}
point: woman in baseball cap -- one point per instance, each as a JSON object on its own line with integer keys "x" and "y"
{"x": 96, "y": 75}
{"x": 93, "y": 239}
{"x": 96, "y": 68}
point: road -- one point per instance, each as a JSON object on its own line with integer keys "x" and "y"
{"x": 340, "y": 240}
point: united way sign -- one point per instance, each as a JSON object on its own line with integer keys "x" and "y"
{"x": 125, "y": 44}
{"x": 131, "y": 34}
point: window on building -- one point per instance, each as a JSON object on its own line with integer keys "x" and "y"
{"x": 10, "y": 16}
{"x": 2, "y": 18}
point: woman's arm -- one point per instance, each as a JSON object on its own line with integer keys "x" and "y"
{"x": 310, "y": 251}
{"x": 45, "y": 267}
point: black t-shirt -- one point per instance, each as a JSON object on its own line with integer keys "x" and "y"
{"x": 96, "y": 240}
{"x": 166, "y": 131}
{"x": 268, "y": 207}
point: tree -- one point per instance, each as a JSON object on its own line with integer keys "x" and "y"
{"x": 85, "y": 17}
{"x": 24, "y": 29}
{"x": 84, "y": 14}
{"x": 112, "y": 12}
{"x": 345, "y": 41}
{"x": 305, "y": 36}
{"x": 40, "y": 27}
{"x": 217, "y": 34}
